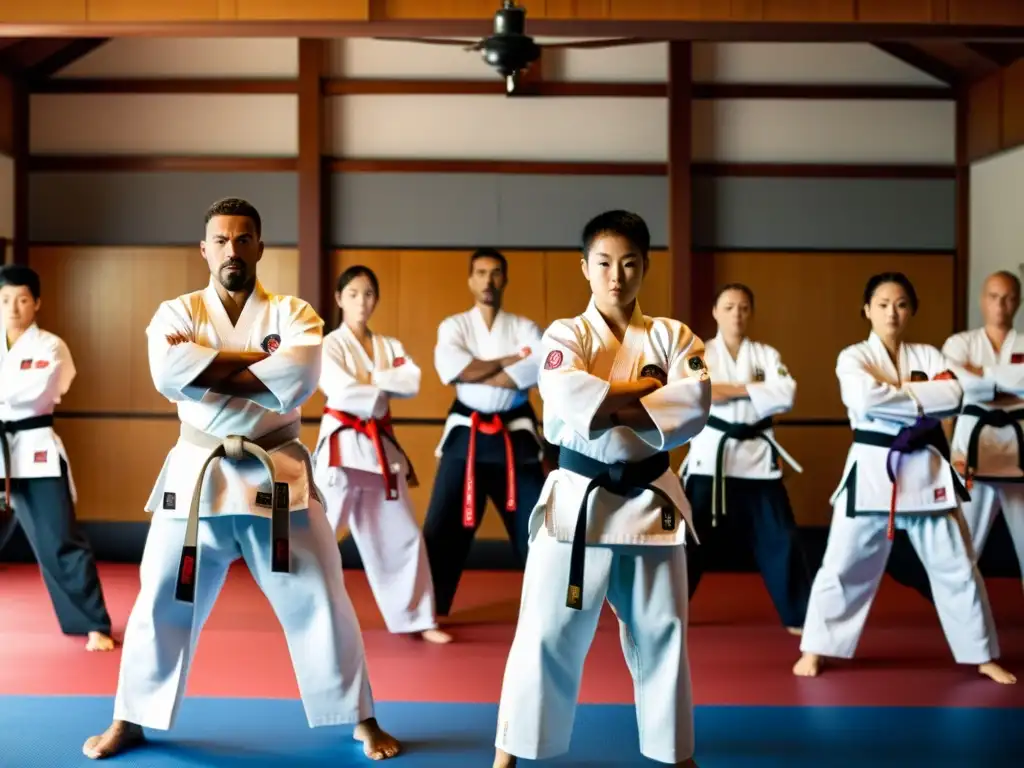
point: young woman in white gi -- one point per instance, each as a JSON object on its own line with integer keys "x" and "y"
{"x": 620, "y": 391}
{"x": 897, "y": 475}
{"x": 733, "y": 470}
{"x": 360, "y": 468}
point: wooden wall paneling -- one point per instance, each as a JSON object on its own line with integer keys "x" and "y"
{"x": 808, "y": 307}
{"x": 821, "y": 451}
{"x": 986, "y": 12}
{"x": 1012, "y": 105}
{"x": 809, "y": 10}
{"x": 134, "y": 448}
{"x": 134, "y": 10}
{"x": 901, "y": 11}
{"x": 318, "y": 10}
{"x": 985, "y": 117}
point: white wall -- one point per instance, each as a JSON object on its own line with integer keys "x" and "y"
{"x": 482, "y": 127}
{"x": 997, "y": 224}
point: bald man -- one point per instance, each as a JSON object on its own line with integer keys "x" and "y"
{"x": 988, "y": 439}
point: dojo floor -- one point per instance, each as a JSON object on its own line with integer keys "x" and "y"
{"x": 903, "y": 703}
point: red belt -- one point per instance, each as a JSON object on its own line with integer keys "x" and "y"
{"x": 373, "y": 429}
{"x": 491, "y": 426}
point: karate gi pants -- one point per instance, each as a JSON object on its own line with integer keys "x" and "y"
{"x": 987, "y": 500}
{"x": 319, "y": 622}
{"x": 390, "y": 545}
{"x": 852, "y": 567}
{"x": 448, "y": 540}
{"x": 646, "y": 587}
{"x": 758, "y": 516}
{"x": 44, "y": 509}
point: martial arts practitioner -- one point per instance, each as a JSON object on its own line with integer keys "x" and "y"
{"x": 36, "y": 371}
{"x": 897, "y": 475}
{"x": 620, "y": 391}
{"x": 988, "y": 440}
{"x": 733, "y": 470}
{"x": 238, "y": 483}
{"x": 490, "y": 447}
{"x": 359, "y": 466}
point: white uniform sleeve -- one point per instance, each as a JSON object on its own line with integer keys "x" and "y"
{"x": 451, "y": 354}
{"x": 524, "y": 372}
{"x": 292, "y": 372}
{"x": 869, "y": 398}
{"x": 174, "y": 367}
{"x": 566, "y": 386}
{"x": 679, "y": 409}
{"x": 1008, "y": 379}
{"x": 38, "y": 388}
{"x": 977, "y": 389}
{"x": 402, "y": 379}
{"x": 776, "y": 393}
{"x": 344, "y": 390}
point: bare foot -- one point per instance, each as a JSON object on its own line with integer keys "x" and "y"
{"x": 436, "y": 636}
{"x": 377, "y": 744}
{"x": 997, "y": 673}
{"x": 504, "y": 760}
{"x": 99, "y": 642}
{"x": 119, "y": 737}
{"x": 798, "y": 631}
{"x": 809, "y": 665}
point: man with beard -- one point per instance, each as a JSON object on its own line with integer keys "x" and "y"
{"x": 490, "y": 447}
{"x": 238, "y": 362}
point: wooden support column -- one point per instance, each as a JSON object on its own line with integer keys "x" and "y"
{"x": 961, "y": 257}
{"x": 314, "y": 186}
{"x": 692, "y": 275}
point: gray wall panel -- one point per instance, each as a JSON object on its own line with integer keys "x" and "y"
{"x": 153, "y": 208}
{"x": 840, "y": 214}
{"x": 411, "y": 210}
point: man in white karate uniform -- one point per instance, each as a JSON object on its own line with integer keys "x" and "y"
{"x": 988, "y": 440}
{"x": 620, "y": 391}
{"x": 36, "y": 371}
{"x": 490, "y": 447}
{"x": 239, "y": 362}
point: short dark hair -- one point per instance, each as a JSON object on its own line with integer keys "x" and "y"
{"x": 735, "y": 287}
{"x": 489, "y": 253}
{"x": 877, "y": 281}
{"x": 18, "y": 274}
{"x": 235, "y": 206}
{"x": 630, "y": 226}
{"x": 352, "y": 273}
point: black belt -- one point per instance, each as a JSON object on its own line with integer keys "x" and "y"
{"x": 622, "y": 479}
{"x": 923, "y": 434}
{"x": 997, "y": 419}
{"x": 733, "y": 431}
{"x": 10, "y": 428}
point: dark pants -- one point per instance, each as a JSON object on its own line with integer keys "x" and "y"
{"x": 759, "y": 517}
{"x": 46, "y": 513}
{"x": 448, "y": 541}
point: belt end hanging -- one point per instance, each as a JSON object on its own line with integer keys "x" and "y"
{"x": 185, "y": 589}
{"x": 280, "y": 556}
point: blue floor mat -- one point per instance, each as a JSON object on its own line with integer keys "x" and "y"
{"x": 48, "y": 732}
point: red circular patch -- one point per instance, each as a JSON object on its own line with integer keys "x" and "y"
{"x": 554, "y": 360}
{"x": 399, "y": 362}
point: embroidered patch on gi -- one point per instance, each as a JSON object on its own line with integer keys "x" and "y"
{"x": 782, "y": 371}
{"x": 39, "y": 457}
{"x": 654, "y": 372}
{"x": 264, "y": 499}
{"x": 399, "y": 362}
{"x": 553, "y": 360}
{"x": 698, "y": 368}
{"x": 271, "y": 343}
{"x": 945, "y": 376}
{"x": 1017, "y": 358}
{"x": 169, "y": 501}
{"x": 26, "y": 364}
{"x": 758, "y": 374}
{"x": 918, "y": 376}
{"x": 940, "y": 494}
{"x": 42, "y": 363}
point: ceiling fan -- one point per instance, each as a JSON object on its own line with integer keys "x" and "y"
{"x": 510, "y": 50}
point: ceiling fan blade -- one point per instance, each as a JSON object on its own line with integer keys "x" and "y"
{"x": 594, "y": 44}
{"x": 468, "y": 44}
